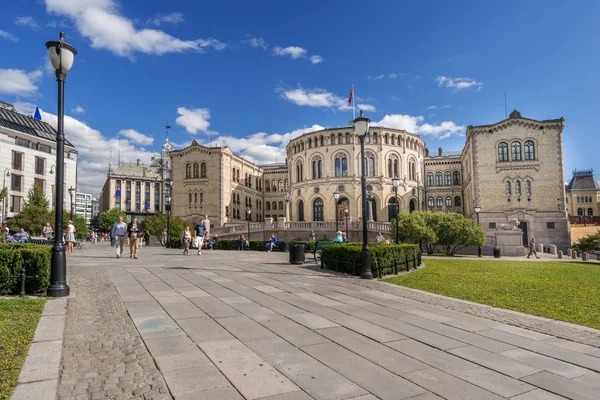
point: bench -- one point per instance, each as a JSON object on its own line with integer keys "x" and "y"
{"x": 318, "y": 249}
{"x": 235, "y": 245}
{"x": 266, "y": 245}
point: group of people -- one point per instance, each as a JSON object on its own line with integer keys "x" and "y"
{"x": 340, "y": 237}
{"x": 200, "y": 239}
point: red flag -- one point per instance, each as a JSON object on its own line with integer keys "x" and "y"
{"x": 351, "y": 95}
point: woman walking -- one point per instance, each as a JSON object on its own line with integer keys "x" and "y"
{"x": 70, "y": 239}
{"x": 186, "y": 238}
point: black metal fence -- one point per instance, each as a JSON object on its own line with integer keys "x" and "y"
{"x": 23, "y": 277}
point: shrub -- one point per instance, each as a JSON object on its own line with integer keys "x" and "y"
{"x": 35, "y": 258}
{"x": 383, "y": 257}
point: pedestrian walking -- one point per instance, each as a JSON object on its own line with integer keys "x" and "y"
{"x": 186, "y": 239}
{"x": 119, "y": 234}
{"x": 70, "y": 236}
{"x": 133, "y": 230}
{"x": 147, "y": 237}
{"x": 198, "y": 241}
{"x": 532, "y": 248}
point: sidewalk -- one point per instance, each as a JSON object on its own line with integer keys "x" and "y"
{"x": 233, "y": 325}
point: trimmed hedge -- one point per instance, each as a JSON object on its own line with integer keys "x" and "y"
{"x": 35, "y": 258}
{"x": 259, "y": 245}
{"x": 385, "y": 259}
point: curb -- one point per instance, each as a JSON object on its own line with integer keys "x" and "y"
{"x": 39, "y": 375}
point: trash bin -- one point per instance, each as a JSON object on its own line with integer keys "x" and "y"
{"x": 283, "y": 247}
{"x": 297, "y": 253}
{"x": 496, "y": 252}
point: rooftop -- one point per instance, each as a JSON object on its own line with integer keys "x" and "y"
{"x": 22, "y": 123}
{"x": 583, "y": 180}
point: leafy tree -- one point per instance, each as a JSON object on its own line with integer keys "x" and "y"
{"x": 34, "y": 213}
{"x": 79, "y": 222}
{"x": 588, "y": 243}
{"x": 413, "y": 228}
{"x": 456, "y": 232}
{"x": 434, "y": 221}
{"x": 157, "y": 225}
{"x": 109, "y": 217}
{"x": 95, "y": 222}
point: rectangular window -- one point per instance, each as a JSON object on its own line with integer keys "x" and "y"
{"x": 40, "y": 165}
{"x": 22, "y": 142}
{"x": 15, "y": 203}
{"x": 492, "y": 225}
{"x": 157, "y": 197}
{"x": 44, "y": 148}
{"x": 17, "y": 161}
{"x": 16, "y": 183}
{"x": 549, "y": 225}
{"x": 40, "y": 183}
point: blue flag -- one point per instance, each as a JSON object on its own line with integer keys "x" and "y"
{"x": 37, "y": 114}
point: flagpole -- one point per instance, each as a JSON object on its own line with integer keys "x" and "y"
{"x": 353, "y": 108}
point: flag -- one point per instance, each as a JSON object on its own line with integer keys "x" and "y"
{"x": 351, "y": 95}
{"x": 37, "y": 114}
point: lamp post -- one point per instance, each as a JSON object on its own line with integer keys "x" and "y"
{"x": 71, "y": 192}
{"x": 336, "y": 197}
{"x": 248, "y": 217}
{"x": 346, "y": 212}
{"x": 5, "y": 201}
{"x": 62, "y": 56}
{"x": 396, "y": 184}
{"x": 286, "y": 197}
{"x": 361, "y": 129}
{"x": 477, "y": 211}
{"x": 418, "y": 192}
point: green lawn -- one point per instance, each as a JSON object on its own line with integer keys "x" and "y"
{"x": 558, "y": 290}
{"x": 18, "y": 320}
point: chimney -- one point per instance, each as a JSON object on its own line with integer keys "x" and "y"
{"x": 440, "y": 151}
{"x": 426, "y": 152}
{"x": 139, "y": 162}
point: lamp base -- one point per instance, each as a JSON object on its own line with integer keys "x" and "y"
{"x": 58, "y": 290}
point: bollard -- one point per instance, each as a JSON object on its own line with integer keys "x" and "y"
{"x": 553, "y": 249}
{"x": 22, "y": 276}
{"x": 585, "y": 256}
{"x": 540, "y": 248}
{"x": 560, "y": 254}
{"x": 574, "y": 254}
{"x": 569, "y": 252}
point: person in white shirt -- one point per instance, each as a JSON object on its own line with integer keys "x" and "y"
{"x": 119, "y": 232}
{"x": 70, "y": 236}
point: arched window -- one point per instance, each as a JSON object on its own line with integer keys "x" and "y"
{"x": 580, "y": 212}
{"x": 412, "y": 170}
{"x": 590, "y": 212}
{"x": 318, "y": 210}
{"x": 456, "y": 178}
{"x": 281, "y": 205}
{"x": 274, "y": 205}
{"x": 440, "y": 201}
{"x": 508, "y": 189}
{"x": 302, "y": 146}
{"x": 340, "y": 138}
{"x": 386, "y": 139}
{"x": 457, "y": 201}
{"x": 300, "y": 210}
{"x": 447, "y": 178}
{"x": 274, "y": 186}
{"x": 203, "y": 170}
{"x": 190, "y": 199}
{"x": 518, "y": 188}
{"x": 310, "y": 143}
{"x": 370, "y": 164}
{"x": 348, "y": 138}
{"x": 438, "y": 179}
{"x": 529, "y": 150}
{"x": 322, "y": 141}
{"x": 195, "y": 199}
{"x": 393, "y": 169}
{"x": 298, "y": 172}
{"x": 528, "y": 188}
{"x": 280, "y": 185}
{"x": 430, "y": 202}
{"x": 375, "y": 137}
{"x": 196, "y": 171}
{"x": 268, "y": 206}
{"x": 448, "y": 201}
{"x": 503, "y": 151}
{"x": 201, "y": 198}
{"x": 188, "y": 170}
{"x": 430, "y": 179}
{"x": 367, "y": 138}
{"x": 267, "y": 186}
{"x": 232, "y": 178}
{"x": 238, "y": 175}
{"x": 285, "y": 185}
{"x": 515, "y": 151}
{"x": 317, "y": 168}
{"x": 341, "y": 165}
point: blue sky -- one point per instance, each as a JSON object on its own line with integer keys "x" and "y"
{"x": 253, "y": 74}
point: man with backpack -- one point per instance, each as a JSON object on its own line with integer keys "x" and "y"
{"x": 532, "y": 248}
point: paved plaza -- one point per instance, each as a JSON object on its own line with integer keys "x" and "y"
{"x": 237, "y": 325}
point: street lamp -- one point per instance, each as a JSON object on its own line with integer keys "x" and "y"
{"x": 286, "y": 197}
{"x": 477, "y": 211}
{"x": 248, "y": 213}
{"x": 5, "y": 201}
{"x": 361, "y": 129}
{"x": 168, "y": 200}
{"x": 346, "y": 212}
{"x": 336, "y": 197}
{"x": 71, "y": 192}
{"x": 396, "y": 184}
{"x": 62, "y": 56}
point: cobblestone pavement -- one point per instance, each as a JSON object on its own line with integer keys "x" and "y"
{"x": 103, "y": 354}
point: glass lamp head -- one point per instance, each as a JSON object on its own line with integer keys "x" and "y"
{"x": 61, "y": 54}
{"x": 477, "y": 209}
{"x": 336, "y": 195}
{"x": 361, "y": 124}
{"x": 396, "y": 182}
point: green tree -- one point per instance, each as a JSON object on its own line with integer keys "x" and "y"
{"x": 109, "y": 217}
{"x": 157, "y": 225}
{"x": 34, "y": 213}
{"x": 588, "y": 243}
{"x": 456, "y": 232}
{"x": 81, "y": 228}
{"x": 434, "y": 221}
{"x": 413, "y": 228}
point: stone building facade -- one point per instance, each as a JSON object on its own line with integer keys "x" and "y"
{"x": 512, "y": 169}
{"x": 583, "y": 195}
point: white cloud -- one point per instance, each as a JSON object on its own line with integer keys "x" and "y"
{"x": 316, "y": 59}
{"x": 100, "y": 22}
{"x": 78, "y": 110}
{"x": 416, "y": 125}
{"x": 256, "y": 42}
{"x": 366, "y": 107}
{"x": 9, "y": 36}
{"x": 194, "y": 120}
{"x": 376, "y": 77}
{"x": 431, "y": 107}
{"x": 457, "y": 83}
{"x": 392, "y": 76}
{"x": 19, "y": 82}
{"x": 447, "y": 106}
{"x": 292, "y": 51}
{"x": 172, "y": 18}
{"x": 317, "y": 98}
{"x": 136, "y": 137}
{"x": 28, "y": 22}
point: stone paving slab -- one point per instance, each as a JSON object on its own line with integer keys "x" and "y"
{"x": 538, "y": 394}
{"x": 40, "y": 390}
{"x": 563, "y": 386}
{"x": 500, "y": 363}
{"x": 194, "y": 379}
{"x": 43, "y": 361}
{"x": 448, "y": 386}
{"x": 244, "y": 328}
{"x": 204, "y": 330}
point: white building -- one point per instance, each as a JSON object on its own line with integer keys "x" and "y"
{"x": 83, "y": 206}
{"x": 95, "y": 207}
{"x": 28, "y": 157}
